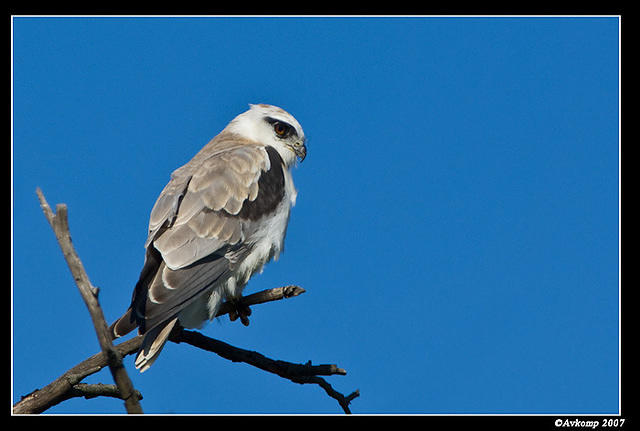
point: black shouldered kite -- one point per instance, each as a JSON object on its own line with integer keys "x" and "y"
{"x": 220, "y": 219}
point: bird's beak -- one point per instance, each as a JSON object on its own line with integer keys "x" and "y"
{"x": 300, "y": 149}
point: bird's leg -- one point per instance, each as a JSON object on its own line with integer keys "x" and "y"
{"x": 240, "y": 310}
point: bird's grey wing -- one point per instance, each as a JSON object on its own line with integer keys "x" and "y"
{"x": 204, "y": 226}
{"x": 206, "y": 216}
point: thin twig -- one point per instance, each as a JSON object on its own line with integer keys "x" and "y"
{"x": 59, "y": 224}
{"x": 342, "y": 400}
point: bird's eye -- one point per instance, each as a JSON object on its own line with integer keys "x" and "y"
{"x": 281, "y": 129}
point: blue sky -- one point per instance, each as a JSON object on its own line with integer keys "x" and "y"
{"x": 457, "y": 222}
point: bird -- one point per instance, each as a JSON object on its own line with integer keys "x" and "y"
{"x": 221, "y": 217}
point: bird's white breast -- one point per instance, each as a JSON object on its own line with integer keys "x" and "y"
{"x": 268, "y": 241}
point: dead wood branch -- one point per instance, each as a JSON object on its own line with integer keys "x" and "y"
{"x": 60, "y": 226}
{"x": 58, "y": 391}
{"x": 68, "y": 385}
{"x": 89, "y": 391}
{"x": 63, "y": 387}
{"x": 298, "y": 373}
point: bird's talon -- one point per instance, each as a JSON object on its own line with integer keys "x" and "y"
{"x": 241, "y": 311}
{"x": 244, "y": 320}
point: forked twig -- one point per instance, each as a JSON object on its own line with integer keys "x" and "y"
{"x": 60, "y": 225}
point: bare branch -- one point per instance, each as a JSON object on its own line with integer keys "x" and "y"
{"x": 298, "y": 373}
{"x": 63, "y": 387}
{"x": 68, "y": 385}
{"x": 89, "y": 391}
{"x": 60, "y": 226}
{"x": 262, "y": 297}
{"x": 57, "y": 391}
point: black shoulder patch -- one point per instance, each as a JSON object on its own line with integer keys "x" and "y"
{"x": 270, "y": 190}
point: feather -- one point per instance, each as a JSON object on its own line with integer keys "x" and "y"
{"x": 152, "y": 345}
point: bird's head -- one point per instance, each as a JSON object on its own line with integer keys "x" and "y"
{"x": 273, "y": 126}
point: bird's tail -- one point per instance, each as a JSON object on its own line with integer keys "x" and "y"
{"x": 153, "y": 343}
